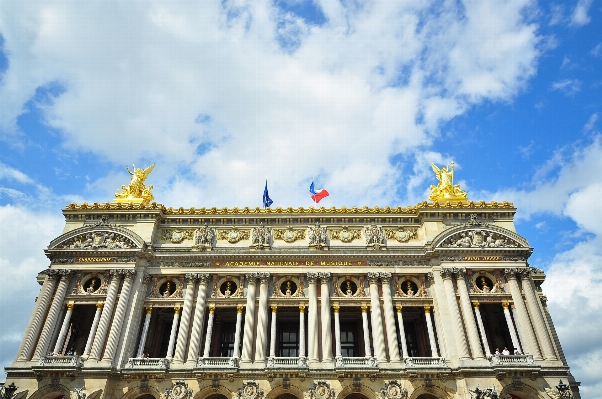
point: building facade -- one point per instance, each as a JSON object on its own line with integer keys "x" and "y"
{"x": 438, "y": 300}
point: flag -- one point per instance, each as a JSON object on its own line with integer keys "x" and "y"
{"x": 317, "y": 195}
{"x": 266, "y": 198}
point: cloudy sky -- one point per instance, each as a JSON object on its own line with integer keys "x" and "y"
{"x": 359, "y": 96}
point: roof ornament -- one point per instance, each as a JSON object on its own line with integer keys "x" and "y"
{"x": 136, "y": 191}
{"x": 446, "y": 190}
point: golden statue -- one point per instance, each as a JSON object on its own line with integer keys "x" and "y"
{"x": 136, "y": 191}
{"x": 446, "y": 190}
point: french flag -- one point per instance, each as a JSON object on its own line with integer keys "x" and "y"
{"x": 317, "y": 195}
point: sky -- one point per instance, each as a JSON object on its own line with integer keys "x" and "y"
{"x": 357, "y": 96}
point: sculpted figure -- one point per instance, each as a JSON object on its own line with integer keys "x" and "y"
{"x": 260, "y": 237}
{"x": 317, "y": 236}
{"x": 137, "y": 189}
{"x": 446, "y": 190}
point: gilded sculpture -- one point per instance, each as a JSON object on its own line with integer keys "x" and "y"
{"x": 136, "y": 191}
{"x": 446, "y": 190}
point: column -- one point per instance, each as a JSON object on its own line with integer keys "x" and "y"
{"x": 103, "y": 326}
{"x": 239, "y": 309}
{"x": 115, "y": 333}
{"x": 61, "y": 339}
{"x": 37, "y": 318}
{"x": 467, "y": 313}
{"x": 402, "y": 332}
{"x": 539, "y": 324}
{"x": 51, "y": 318}
{"x": 302, "y": 331}
{"x": 199, "y": 319}
{"x": 390, "y": 318}
{"x": 262, "y": 318}
{"x": 185, "y": 319}
{"x": 173, "y": 332}
{"x": 312, "y": 321}
{"x": 366, "y": 330}
{"x": 477, "y": 313}
{"x": 377, "y": 320}
{"x": 325, "y": 316}
{"x": 530, "y": 343}
{"x": 247, "y": 340}
{"x": 147, "y": 319}
{"x": 515, "y": 341}
{"x": 99, "y": 306}
{"x": 273, "y": 332}
{"x": 446, "y": 273}
{"x": 431, "y": 331}
{"x": 209, "y": 331}
{"x": 337, "y": 336}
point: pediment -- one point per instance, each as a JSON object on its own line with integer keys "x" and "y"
{"x": 480, "y": 236}
{"x": 98, "y": 238}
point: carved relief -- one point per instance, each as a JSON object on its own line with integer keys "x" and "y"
{"x": 320, "y": 390}
{"x": 166, "y": 288}
{"x": 393, "y": 390}
{"x": 487, "y": 393}
{"x": 176, "y": 236}
{"x": 478, "y": 238}
{"x": 401, "y": 234}
{"x": 410, "y": 289}
{"x": 203, "y": 238}
{"x": 178, "y": 390}
{"x": 261, "y": 237}
{"x": 350, "y": 287}
{"x": 481, "y": 284}
{"x": 93, "y": 284}
{"x": 233, "y": 235}
{"x": 318, "y": 238}
{"x": 375, "y": 237}
{"x": 288, "y": 287}
{"x": 227, "y": 287}
{"x": 98, "y": 240}
{"x": 249, "y": 390}
{"x": 561, "y": 391}
{"x": 345, "y": 234}
{"x": 289, "y": 234}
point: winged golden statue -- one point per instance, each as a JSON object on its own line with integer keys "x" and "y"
{"x": 136, "y": 191}
{"x": 446, "y": 190}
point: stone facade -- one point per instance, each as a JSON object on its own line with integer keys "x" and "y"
{"x": 143, "y": 301}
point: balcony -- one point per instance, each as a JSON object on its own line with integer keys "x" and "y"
{"x": 287, "y": 363}
{"x": 217, "y": 363}
{"x": 356, "y": 363}
{"x": 147, "y": 364}
{"x": 60, "y": 363}
{"x": 512, "y": 360}
{"x": 425, "y": 362}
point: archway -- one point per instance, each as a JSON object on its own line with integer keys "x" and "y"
{"x": 356, "y": 395}
{"x": 426, "y": 396}
{"x": 286, "y": 396}
{"x": 216, "y": 396}
{"x": 146, "y": 396}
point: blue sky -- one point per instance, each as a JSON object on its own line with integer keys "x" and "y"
{"x": 360, "y": 96}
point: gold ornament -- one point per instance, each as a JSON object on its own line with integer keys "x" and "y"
{"x": 446, "y": 190}
{"x": 136, "y": 191}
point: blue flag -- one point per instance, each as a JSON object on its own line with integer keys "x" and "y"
{"x": 266, "y": 198}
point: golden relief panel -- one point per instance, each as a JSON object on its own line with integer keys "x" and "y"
{"x": 233, "y": 235}
{"x": 401, "y": 234}
{"x": 345, "y": 234}
{"x": 176, "y": 236}
{"x": 289, "y": 234}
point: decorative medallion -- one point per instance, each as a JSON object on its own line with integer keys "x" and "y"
{"x": 178, "y": 390}
{"x": 393, "y": 390}
{"x": 233, "y": 235}
{"x": 176, "y": 236}
{"x": 289, "y": 234}
{"x": 249, "y": 390}
{"x": 320, "y": 390}
{"x": 401, "y": 234}
{"x": 345, "y": 234}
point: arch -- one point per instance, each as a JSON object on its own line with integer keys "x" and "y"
{"x": 524, "y": 392}
{"x": 278, "y": 392}
{"x": 139, "y": 393}
{"x": 127, "y": 236}
{"x": 214, "y": 393}
{"x": 353, "y": 393}
{"x": 51, "y": 392}
{"x": 512, "y": 240}
{"x": 432, "y": 393}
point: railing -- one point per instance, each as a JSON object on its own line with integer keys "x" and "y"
{"x": 425, "y": 362}
{"x": 511, "y": 360}
{"x": 355, "y": 362}
{"x": 287, "y": 362}
{"x": 139, "y": 363}
{"x": 61, "y": 361}
{"x": 217, "y": 362}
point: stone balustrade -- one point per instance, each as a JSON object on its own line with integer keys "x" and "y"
{"x": 512, "y": 360}
{"x": 425, "y": 362}
{"x": 217, "y": 363}
{"x": 356, "y": 362}
{"x": 147, "y": 364}
{"x": 287, "y": 363}
{"x": 61, "y": 362}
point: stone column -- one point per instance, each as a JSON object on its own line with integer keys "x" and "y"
{"x": 99, "y": 306}
{"x": 402, "y": 332}
{"x": 515, "y": 341}
{"x": 530, "y": 343}
{"x": 477, "y": 313}
{"x": 53, "y": 314}
{"x": 37, "y": 318}
{"x": 182, "y": 341}
{"x": 461, "y": 340}
{"x": 273, "y": 332}
{"x": 325, "y": 316}
{"x": 431, "y": 331}
{"x": 247, "y": 342}
{"x": 312, "y": 321}
{"x": 199, "y": 319}
{"x": 390, "y": 318}
{"x": 209, "y": 331}
{"x": 61, "y": 339}
{"x": 539, "y": 324}
{"x": 377, "y": 321}
{"x": 115, "y": 333}
{"x": 174, "y": 331}
{"x": 301, "y": 331}
{"x": 236, "y": 353}
{"x": 262, "y": 318}
{"x": 147, "y": 319}
{"x": 337, "y": 335}
{"x": 366, "y": 329}
{"x": 105, "y": 319}
{"x": 467, "y": 313}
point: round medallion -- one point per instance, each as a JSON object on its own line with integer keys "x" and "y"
{"x": 177, "y": 237}
{"x": 289, "y": 235}
{"x": 401, "y": 236}
{"x": 233, "y": 236}
{"x": 345, "y": 236}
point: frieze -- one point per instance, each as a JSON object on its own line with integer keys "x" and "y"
{"x": 345, "y": 234}
{"x": 320, "y": 390}
{"x": 402, "y": 234}
{"x": 233, "y": 235}
{"x": 400, "y": 262}
{"x": 460, "y": 258}
{"x": 487, "y": 393}
{"x": 178, "y": 390}
{"x": 98, "y": 240}
{"x": 289, "y": 234}
{"x": 250, "y": 390}
{"x": 176, "y": 236}
{"x": 92, "y": 259}
{"x": 291, "y": 263}
{"x": 393, "y": 390}
{"x": 478, "y": 238}
{"x": 181, "y": 263}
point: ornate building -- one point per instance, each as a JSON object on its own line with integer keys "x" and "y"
{"x": 432, "y": 301}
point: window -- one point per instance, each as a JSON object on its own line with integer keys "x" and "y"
{"x": 288, "y": 339}
{"x": 349, "y": 339}
{"x": 226, "y": 345}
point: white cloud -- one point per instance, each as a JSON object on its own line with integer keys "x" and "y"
{"x": 567, "y": 86}
{"x": 597, "y": 50}
{"x": 6, "y": 172}
{"x": 591, "y": 122}
{"x": 580, "y": 17}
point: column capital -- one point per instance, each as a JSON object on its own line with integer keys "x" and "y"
{"x": 239, "y": 308}
{"x": 212, "y": 308}
{"x": 70, "y": 306}
{"x": 100, "y": 305}
{"x": 399, "y": 308}
{"x": 324, "y": 277}
{"x": 149, "y": 309}
{"x": 177, "y": 309}
{"x": 312, "y": 277}
{"x": 505, "y": 305}
{"x": 191, "y": 277}
{"x": 204, "y": 277}
{"x": 510, "y": 272}
{"x": 251, "y": 277}
{"x": 146, "y": 278}
{"x": 427, "y": 308}
{"x": 385, "y": 276}
{"x": 51, "y": 273}
{"x": 461, "y": 272}
{"x": 431, "y": 277}
{"x": 373, "y": 277}
{"x": 274, "y": 308}
{"x": 264, "y": 277}
{"x": 336, "y": 308}
{"x": 365, "y": 308}
{"x": 447, "y": 273}
{"x": 524, "y": 273}
{"x": 302, "y": 308}
{"x": 476, "y": 304}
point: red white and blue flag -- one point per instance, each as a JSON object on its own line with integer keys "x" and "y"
{"x": 317, "y": 195}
